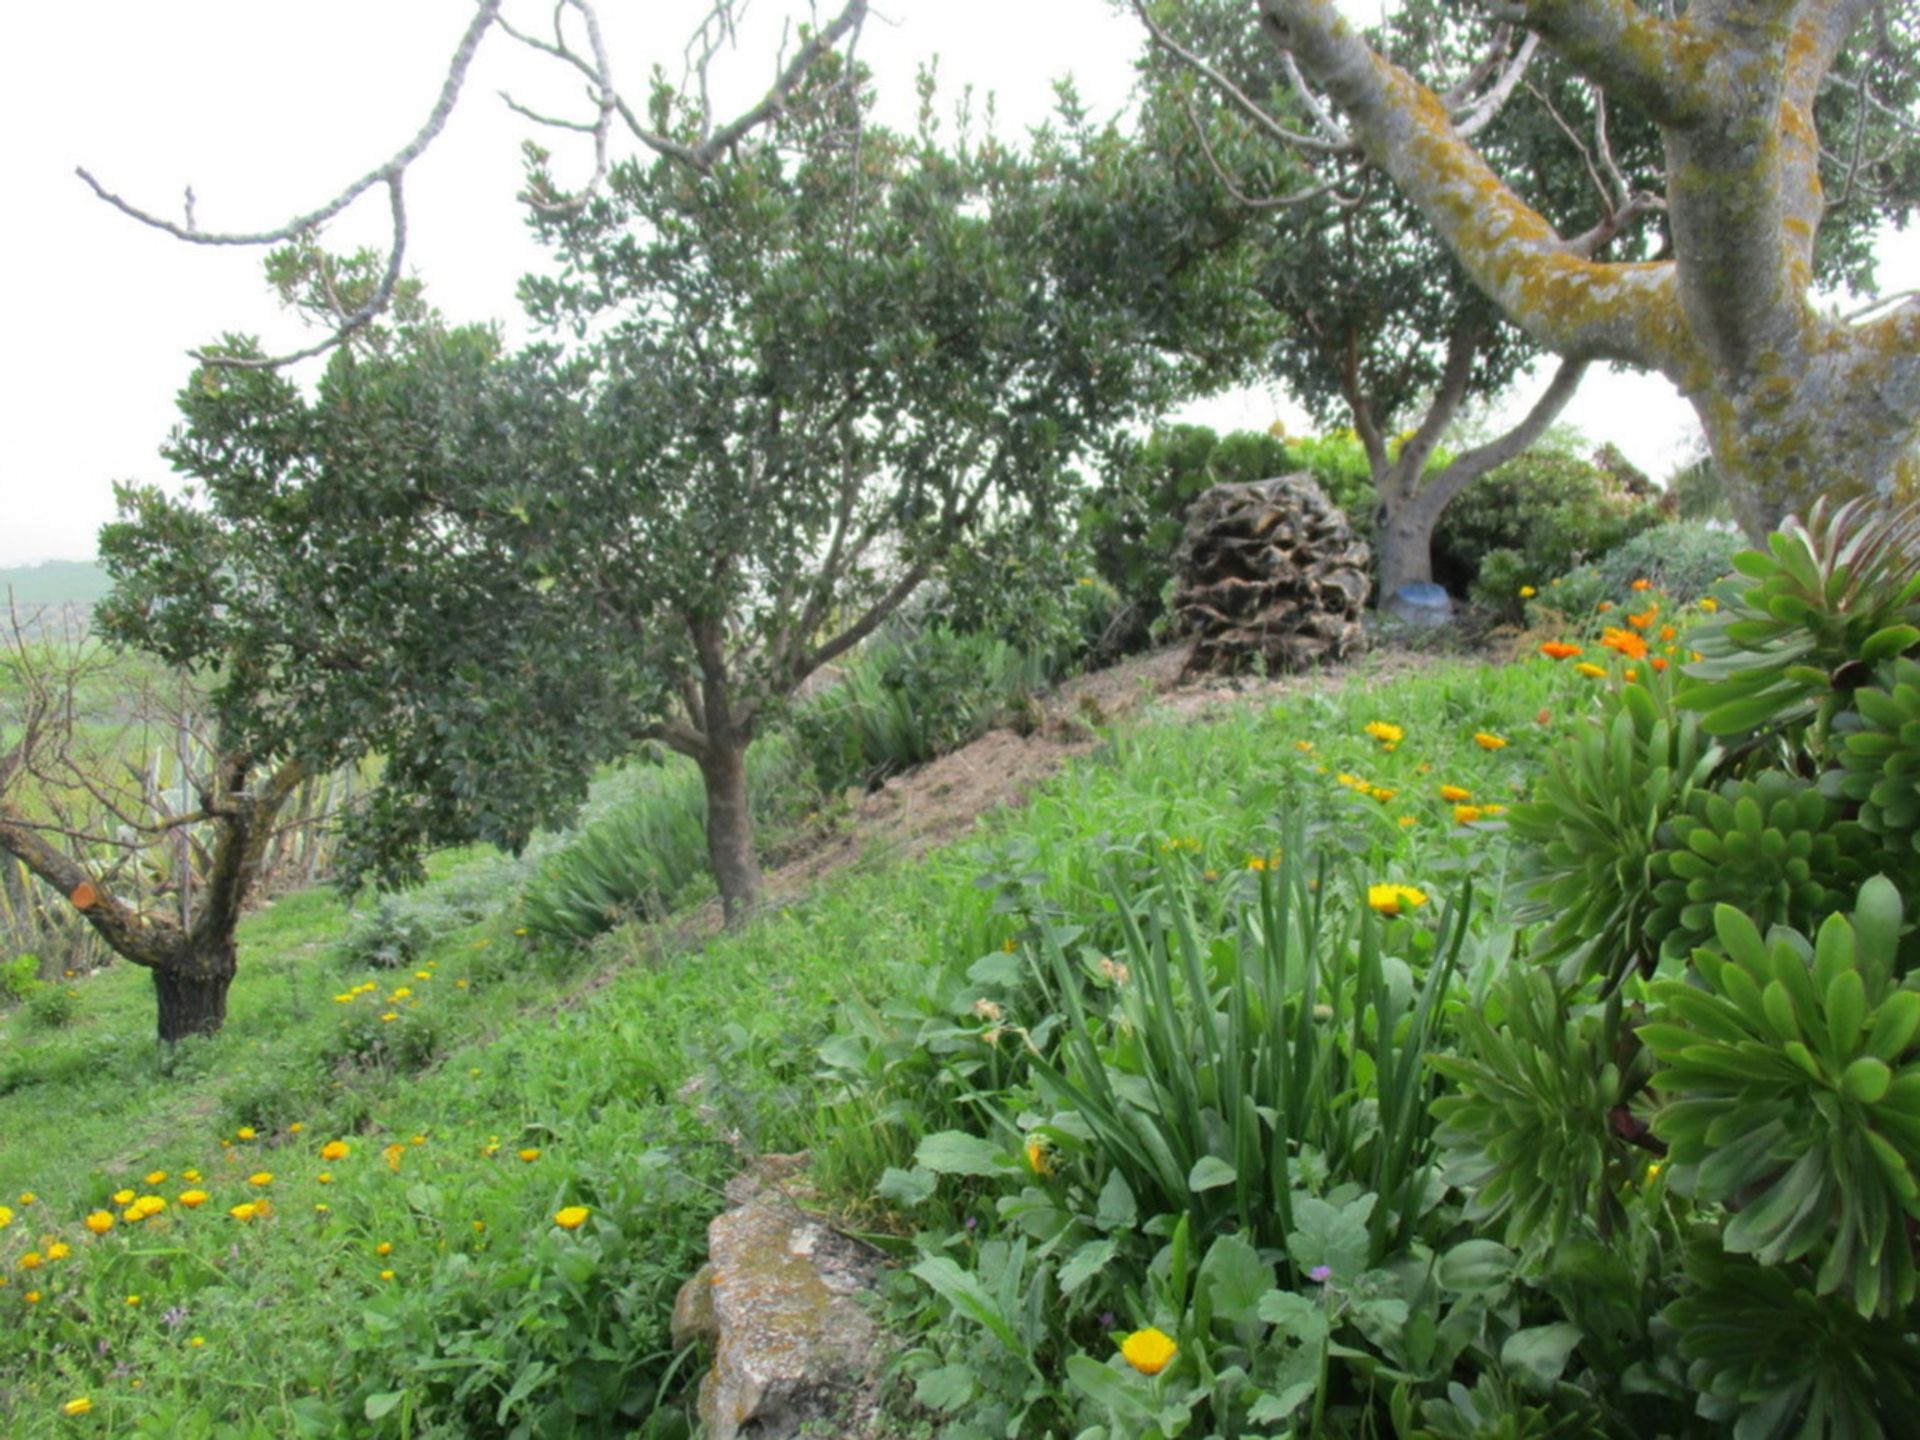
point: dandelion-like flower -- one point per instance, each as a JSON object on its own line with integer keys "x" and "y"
{"x": 1591, "y": 670}
{"x": 1559, "y": 650}
{"x": 1487, "y": 741}
{"x": 79, "y": 1405}
{"x": 335, "y": 1150}
{"x": 571, "y": 1217}
{"x": 1455, "y": 794}
{"x": 1149, "y": 1351}
{"x": 1395, "y": 899}
{"x": 99, "y": 1222}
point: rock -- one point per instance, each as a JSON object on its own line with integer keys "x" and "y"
{"x": 778, "y": 1300}
{"x": 1270, "y": 569}
{"x": 1421, "y": 604}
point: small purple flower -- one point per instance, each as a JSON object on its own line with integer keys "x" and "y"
{"x": 174, "y": 1317}
{"x": 1108, "y": 1319}
{"x": 1321, "y": 1273}
{"x": 972, "y": 1223}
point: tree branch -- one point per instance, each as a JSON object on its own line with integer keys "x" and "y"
{"x": 1660, "y": 66}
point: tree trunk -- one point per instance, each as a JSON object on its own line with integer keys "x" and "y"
{"x": 730, "y": 827}
{"x": 1404, "y": 540}
{"x": 192, "y": 994}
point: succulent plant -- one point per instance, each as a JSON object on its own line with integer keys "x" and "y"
{"x": 1771, "y": 846}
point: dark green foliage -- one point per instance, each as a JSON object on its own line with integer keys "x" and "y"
{"x": 1523, "y": 1126}
{"x": 907, "y": 699}
{"x": 1770, "y": 846}
{"x": 1033, "y": 588}
{"x": 1793, "y": 1082}
{"x": 1771, "y": 1359}
{"x": 52, "y": 1007}
{"x": 1549, "y": 507}
{"x": 1879, "y": 753}
{"x": 1597, "y": 820}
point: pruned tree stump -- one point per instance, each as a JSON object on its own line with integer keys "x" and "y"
{"x": 1270, "y": 572}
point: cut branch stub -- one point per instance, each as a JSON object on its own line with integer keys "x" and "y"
{"x": 1270, "y": 569}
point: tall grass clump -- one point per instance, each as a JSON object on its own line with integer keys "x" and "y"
{"x": 907, "y": 699}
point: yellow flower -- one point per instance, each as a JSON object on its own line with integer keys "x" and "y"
{"x": 32, "y": 1297}
{"x": 460, "y": 984}
{"x": 1591, "y": 671}
{"x": 386, "y": 1275}
{"x": 322, "y": 1208}
{"x": 261, "y": 1178}
{"x": 572, "y": 1218}
{"x": 246, "y": 1211}
{"x": 296, "y": 1127}
{"x": 27, "y": 1197}
{"x": 1466, "y": 814}
{"x": 385, "y": 1247}
{"x": 197, "y": 1341}
{"x": 1148, "y": 1351}
{"x": 192, "y": 1177}
{"x": 1382, "y": 793}
{"x": 1488, "y": 742}
{"x": 1527, "y": 592}
{"x": 1407, "y": 822}
{"x": 193, "y": 1199}
{"x": 1395, "y": 899}
{"x": 1383, "y": 732}
{"x": 530, "y": 1154}
{"x": 133, "y": 1299}
{"x": 59, "y": 1250}
{"x": 6, "y": 1217}
{"x": 99, "y": 1222}
{"x": 389, "y": 1016}
{"x": 1709, "y": 604}
{"x": 1455, "y": 794}
{"x": 1037, "y": 1158}
{"x": 156, "y": 1177}
{"x": 402, "y": 993}
{"x": 335, "y": 1150}
{"x": 245, "y": 1132}
{"x": 79, "y": 1405}
{"x": 149, "y": 1205}
{"x": 346, "y": 999}
{"x": 123, "y": 1197}
{"x": 1305, "y": 747}
{"x": 393, "y": 1153}
{"x": 30, "y": 1260}
{"x": 1491, "y": 810}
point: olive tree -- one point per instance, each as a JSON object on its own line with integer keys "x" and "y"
{"x": 1776, "y": 119}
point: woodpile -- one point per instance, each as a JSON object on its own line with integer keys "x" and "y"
{"x": 1270, "y": 569}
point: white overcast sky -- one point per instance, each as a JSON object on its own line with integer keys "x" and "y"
{"x": 267, "y": 106}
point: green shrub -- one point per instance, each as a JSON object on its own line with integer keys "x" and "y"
{"x": 1549, "y": 507}
{"x": 394, "y": 933}
{"x": 906, "y": 699}
{"x": 1033, "y": 588}
{"x": 20, "y": 977}
{"x": 52, "y": 1007}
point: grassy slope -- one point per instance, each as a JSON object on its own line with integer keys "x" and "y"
{"x": 593, "y": 1071}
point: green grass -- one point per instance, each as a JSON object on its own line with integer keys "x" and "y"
{"x": 641, "y": 1078}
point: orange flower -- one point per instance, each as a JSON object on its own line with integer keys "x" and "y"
{"x": 1488, "y": 742}
{"x": 1559, "y": 650}
{"x": 1625, "y": 641}
{"x": 1642, "y": 585}
{"x": 1667, "y": 632}
{"x": 1455, "y": 794}
{"x": 1605, "y": 605}
{"x": 1645, "y": 618}
{"x": 1658, "y": 663}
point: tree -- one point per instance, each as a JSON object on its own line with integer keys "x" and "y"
{"x": 785, "y": 385}
{"x": 159, "y": 868}
{"x": 1795, "y": 402}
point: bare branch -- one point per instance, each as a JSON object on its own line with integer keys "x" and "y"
{"x": 300, "y": 225}
{"x": 1247, "y": 106}
{"x": 1265, "y": 202}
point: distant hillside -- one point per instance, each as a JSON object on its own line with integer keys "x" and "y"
{"x": 54, "y": 582}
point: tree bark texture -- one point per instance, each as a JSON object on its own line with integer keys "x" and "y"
{"x": 192, "y": 964}
{"x": 1796, "y": 403}
{"x": 192, "y": 993}
{"x": 736, "y": 870}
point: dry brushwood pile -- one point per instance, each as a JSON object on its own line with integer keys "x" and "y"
{"x": 1270, "y": 569}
